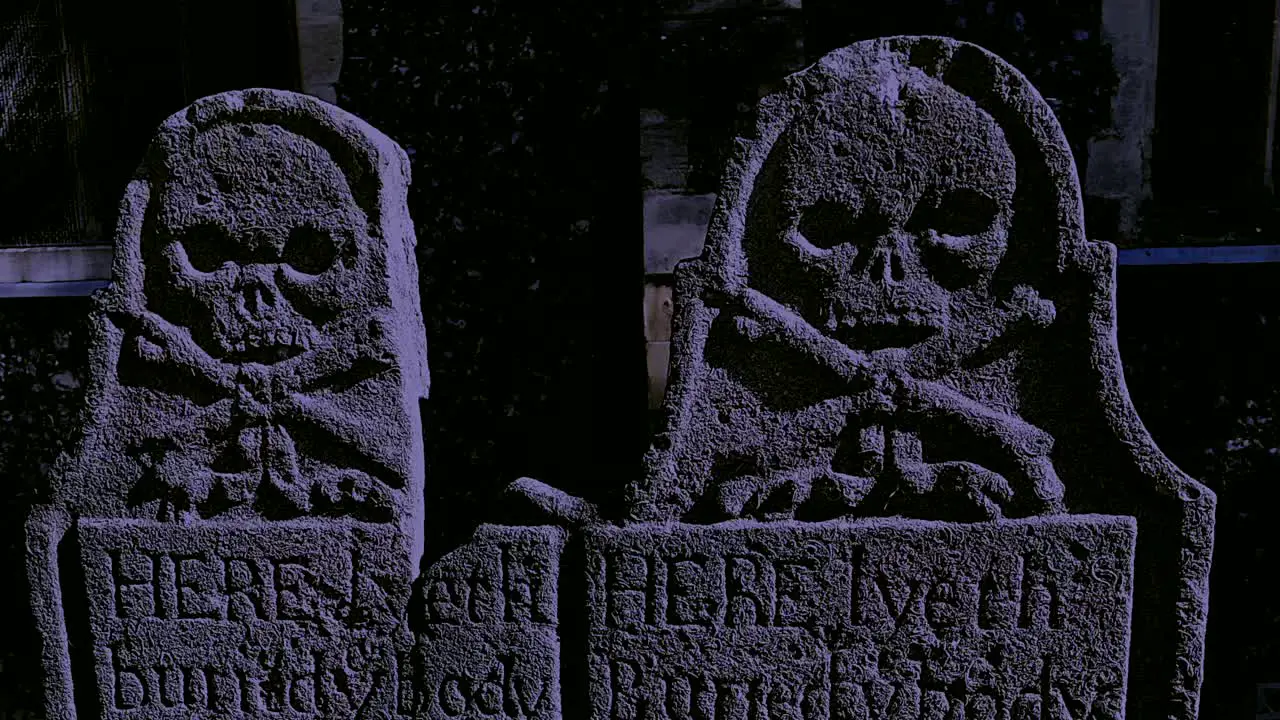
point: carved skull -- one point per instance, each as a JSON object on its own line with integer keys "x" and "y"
{"x": 255, "y": 246}
{"x": 881, "y": 215}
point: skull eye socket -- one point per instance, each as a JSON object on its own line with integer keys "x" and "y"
{"x": 828, "y": 223}
{"x": 310, "y": 250}
{"x": 207, "y": 247}
{"x": 959, "y": 212}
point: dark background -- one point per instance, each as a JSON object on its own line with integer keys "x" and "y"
{"x": 521, "y": 121}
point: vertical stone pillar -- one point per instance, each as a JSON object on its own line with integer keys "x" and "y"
{"x": 1118, "y": 179}
{"x": 319, "y": 33}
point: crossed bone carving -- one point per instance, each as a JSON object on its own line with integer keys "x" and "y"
{"x": 891, "y": 475}
{"x": 893, "y": 467}
{"x": 251, "y": 423}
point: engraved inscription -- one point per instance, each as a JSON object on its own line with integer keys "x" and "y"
{"x": 504, "y": 583}
{"x": 296, "y": 674}
{"x": 500, "y": 691}
{"x": 172, "y": 586}
{"x": 876, "y": 619}
{"x": 489, "y": 646}
{"x": 295, "y": 618}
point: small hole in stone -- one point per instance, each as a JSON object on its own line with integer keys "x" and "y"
{"x": 203, "y": 199}
{"x": 1078, "y": 551}
{"x": 725, "y": 417}
{"x": 223, "y": 181}
{"x": 248, "y": 130}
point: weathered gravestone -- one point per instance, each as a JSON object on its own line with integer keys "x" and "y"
{"x": 901, "y": 475}
{"x": 237, "y": 533}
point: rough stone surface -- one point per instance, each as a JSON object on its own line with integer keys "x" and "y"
{"x": 862, "y": 620}
{"x": 294, "y": 617}
{"x": 256, "y": 370}
{"x": 488, "y": 641}
{"x": 897, "y": 315}
{"x": 503, "y": 221}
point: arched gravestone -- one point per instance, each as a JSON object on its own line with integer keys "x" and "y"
{"x": 237, "y": 532}
{"x": 901, "y": 476}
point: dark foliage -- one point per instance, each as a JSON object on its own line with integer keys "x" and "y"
{"x": 42, "y": 371}
{"x": 1198, "y": 345}
{"x": 501, "y": 107}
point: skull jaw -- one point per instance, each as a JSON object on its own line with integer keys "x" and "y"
{"x": 265, "y": 344}
{"x": 262, "y": 355}
{"x": 876, "y": 326}
{"x": 884, "y": 333}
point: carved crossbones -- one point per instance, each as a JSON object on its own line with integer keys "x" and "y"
{"x": 885, "y": 398}
{"x": 250, "y": 420}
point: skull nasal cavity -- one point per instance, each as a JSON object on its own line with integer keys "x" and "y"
{"x": 255, "y": 301}
{"x": 828, "y": 223}
{"x": 887, "y": 265}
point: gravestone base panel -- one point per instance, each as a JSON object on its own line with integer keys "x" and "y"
{"x": 255, "y": 619}
{"x": 868, "y": 619}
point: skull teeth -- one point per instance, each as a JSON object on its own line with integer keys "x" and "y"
{"x": 283, "y": 338}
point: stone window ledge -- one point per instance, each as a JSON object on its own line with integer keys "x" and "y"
{"x": 54, "y": 271}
